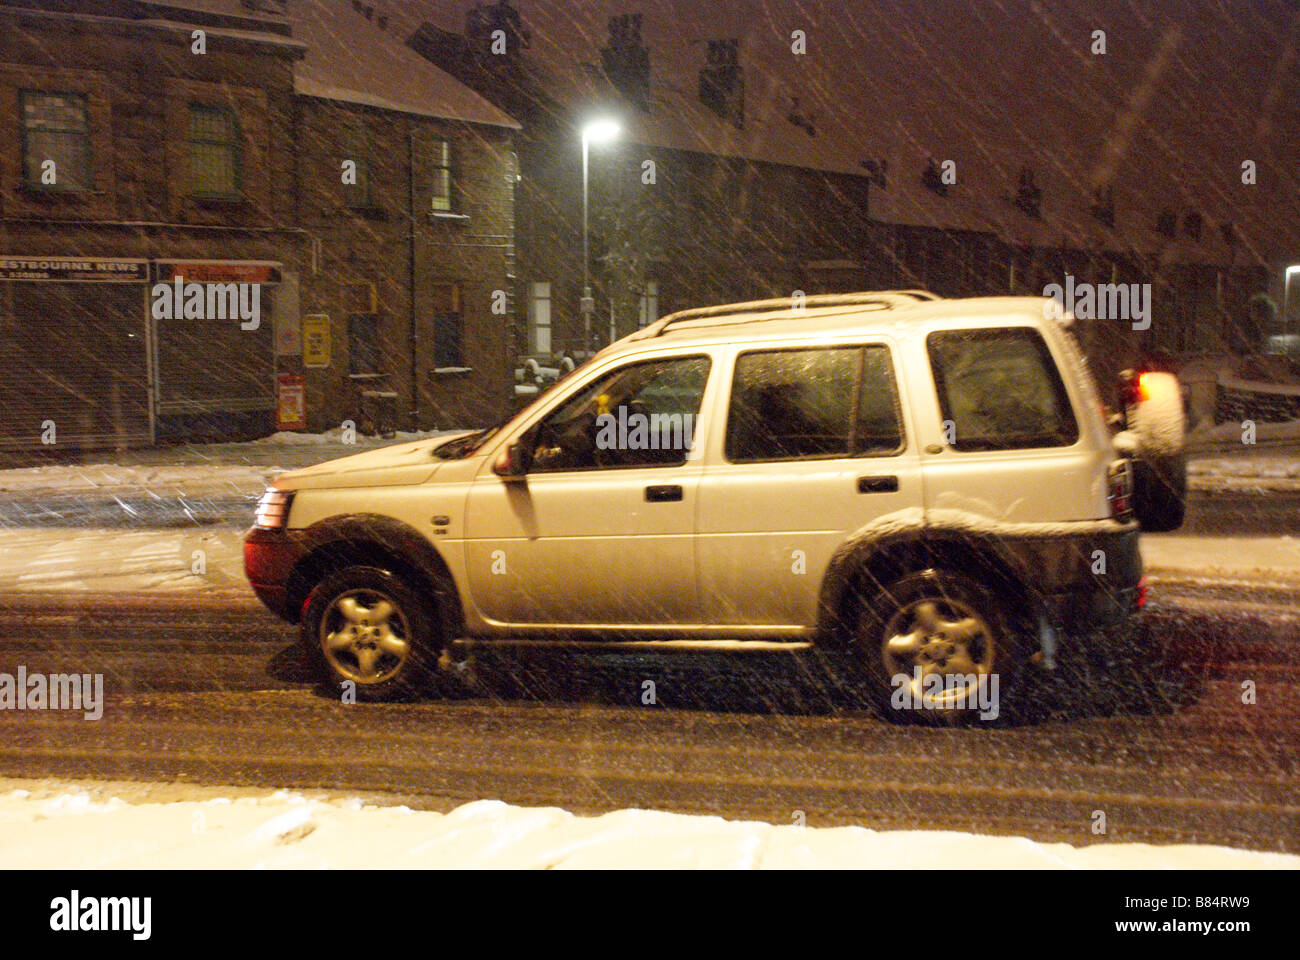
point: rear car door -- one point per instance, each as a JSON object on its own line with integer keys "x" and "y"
{"x": 815, "y": 445}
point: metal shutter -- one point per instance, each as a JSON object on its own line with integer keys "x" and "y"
{"x": 74, "y": 354}
{"x": 213, "y": 366}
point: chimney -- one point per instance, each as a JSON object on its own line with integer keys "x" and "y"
{"x": 1029, "y": 196}
{"x": 722, "y": 82}
{"x": 494, "y": 33}
{"x": 627, "y": 60}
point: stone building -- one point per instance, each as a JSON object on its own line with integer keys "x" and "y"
{"x": 359, "y": 198}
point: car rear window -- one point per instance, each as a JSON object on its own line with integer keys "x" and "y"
{"x": 800, "y": 404}
{"x": 1000, "y": 390}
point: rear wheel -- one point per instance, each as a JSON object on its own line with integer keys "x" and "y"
{"x": 369, "y": 632}
{"x": 936, "y": 647}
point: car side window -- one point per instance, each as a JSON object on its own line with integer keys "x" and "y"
{"x": 640, "y": 415}
{"x": 1000, "y": 390}
{"x": 813, "y": 403}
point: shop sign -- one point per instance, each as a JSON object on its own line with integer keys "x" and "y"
{"x": 74, "y": 269}
{"x": 316, "y": 340}
{"x": 290, "y": 402}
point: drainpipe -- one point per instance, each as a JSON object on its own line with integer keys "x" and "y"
{"x": 410, "y": 238}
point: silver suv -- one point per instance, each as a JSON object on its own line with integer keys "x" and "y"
{"x": 928, "y": 488}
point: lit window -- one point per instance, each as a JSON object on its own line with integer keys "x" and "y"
{"x": 55, "y": 129}
{"x": 443, "y": 201}
{"x": 649, "y": 306}
{"x": 539, "y": 317}
{"x": 214, "y": 152}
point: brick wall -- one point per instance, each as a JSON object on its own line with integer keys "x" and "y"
{"x": 139, "y": 82}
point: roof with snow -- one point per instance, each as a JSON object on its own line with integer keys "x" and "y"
{"x": 350, "y": 55}
{"x": 1186, "y": 91}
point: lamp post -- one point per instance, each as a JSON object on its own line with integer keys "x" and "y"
{"x": 597, "y": 131}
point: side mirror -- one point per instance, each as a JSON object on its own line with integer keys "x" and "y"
{"x": 513, "y": 461}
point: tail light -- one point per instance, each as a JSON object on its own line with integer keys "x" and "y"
{"x": 1132, "y": 388}
{"x": 1119, "y": 489}
{"x": 1143, "y": 391}
{"x": 1143, "y": 594}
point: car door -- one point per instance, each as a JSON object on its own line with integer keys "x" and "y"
{"x": 599, "y": 534}
{"x": 814, "y": 446}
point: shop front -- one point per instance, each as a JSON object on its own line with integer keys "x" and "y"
{"x": 214, "y": 374}
{"x": 74, "y": 352}
{"x": 104, "y": 352}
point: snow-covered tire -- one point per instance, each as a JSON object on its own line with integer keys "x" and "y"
{"x": 1158, "y": 421}
{"x": 367, "y": 631}
{"x": 964, "y": 625}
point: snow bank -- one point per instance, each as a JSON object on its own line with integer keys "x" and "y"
{"x": 74, "y": 830}
{"x": 335, "y": 436}
{"x": 1229, "y": 434}
{"x": 1261, "y": 386}
{"x": 109, "y": 561}
{"x": 226, "y": 479}
{"x": 200, "y": 469}
{"x": 1275, "y": 558}
{"x": 1262, "y": 466}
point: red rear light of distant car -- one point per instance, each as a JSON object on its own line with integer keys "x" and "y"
{"x": 1143, "y": 594}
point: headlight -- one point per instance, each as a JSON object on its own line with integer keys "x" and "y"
{"x": 273, "y": 509}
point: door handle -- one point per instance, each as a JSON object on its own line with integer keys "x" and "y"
{"x": 877, "y": 484}
{"x": 663, "y": 493}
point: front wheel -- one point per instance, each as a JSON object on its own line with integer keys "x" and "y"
{"x": 937, "y": 647}
{"x": 369, "y": 633}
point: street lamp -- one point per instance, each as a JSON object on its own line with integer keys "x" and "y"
{"x": 597, "y": 131}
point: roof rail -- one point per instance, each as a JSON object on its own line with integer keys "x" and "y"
{"x": 888, "y": 299}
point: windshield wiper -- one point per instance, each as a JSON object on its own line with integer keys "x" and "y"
{"x": 466, "y": 445}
